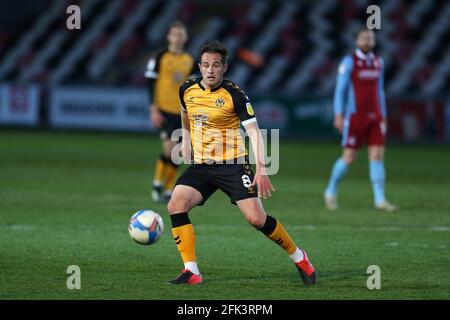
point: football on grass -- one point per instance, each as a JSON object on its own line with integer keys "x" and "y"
{"x": 146, "y": 226}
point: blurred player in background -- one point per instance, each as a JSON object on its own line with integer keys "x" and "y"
{"x": 213, "y": 111}
{"x": 360, "y": 116}
{"x": 166, "y": 71}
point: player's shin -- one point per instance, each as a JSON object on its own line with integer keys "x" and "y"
{"x": 184, "y": 236}
{"x": 339, "y": 170}
{"x": 377, "y": 178}
{"x": 275, "y": 231}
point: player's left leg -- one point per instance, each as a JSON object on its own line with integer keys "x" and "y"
{"x": 158, "y": 177}
{"x": 171, "y": 170}
{"x": 166, "y": 169}
{"x": 377, "y": 174}
{"x": 162, "y": 163}
{"x": 254, "y": 213}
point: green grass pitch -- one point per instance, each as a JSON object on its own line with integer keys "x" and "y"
{"x": 66, "y": 199}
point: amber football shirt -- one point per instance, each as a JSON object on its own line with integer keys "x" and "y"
{"x": 215, "y": 117}
{"x": 169, "y": 70}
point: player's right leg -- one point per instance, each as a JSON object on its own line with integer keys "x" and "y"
{"x": 377, "y": 178}
{"x": 337, "y": 173}
{"x": 376, "y": 141}
{"x": 161, "y": 166}
{"x": 183, "y": 199}
{"x": 192, "y": 188}
{"x": 350, "y": 142}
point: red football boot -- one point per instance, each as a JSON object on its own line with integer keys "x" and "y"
{"x": 187, "y": 277}
{"x": 306, "y": 270}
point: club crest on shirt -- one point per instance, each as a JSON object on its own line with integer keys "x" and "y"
{"x": 220, "y": 102}
{"x": 250, "y": 109}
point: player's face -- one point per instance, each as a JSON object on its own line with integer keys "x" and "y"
{"x": 177, "y": 38}
{"x": 212, "y": 68}
{"x": 366, "y": 41}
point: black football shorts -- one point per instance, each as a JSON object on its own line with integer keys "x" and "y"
{"x": 171, "y": 123}
{"x": 233, "y": 179}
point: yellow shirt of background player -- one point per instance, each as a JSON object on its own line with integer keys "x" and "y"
{"x": 170, "y": 70}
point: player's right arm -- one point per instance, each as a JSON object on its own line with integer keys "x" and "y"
{"x": 152, "y": 74}
{"x": 340, "y": 92}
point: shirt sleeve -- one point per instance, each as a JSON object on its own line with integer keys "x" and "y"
{"x": 153, "y": 67}
{"x": 342, "y": 84}
{"x": 243, "y": 107}
{"x": 181, "y": 97}
{"x": 381, "y": 94}
{"x": 151, "y": 73}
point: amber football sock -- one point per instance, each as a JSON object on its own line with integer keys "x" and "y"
{"x": 171, "y": 170}
{"x": 184, "y": 236}
{"x": 160, "y": 169}
{"x": 275, "y": 231}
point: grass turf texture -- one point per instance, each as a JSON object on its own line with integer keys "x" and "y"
{"x": 66, "y": 198}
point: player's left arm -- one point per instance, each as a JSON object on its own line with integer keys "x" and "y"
{"x": 381, "y": 94}
{"x": 186, "y": 149}
{"x": 261, "y": 178}
{"x": 247, "y": 117}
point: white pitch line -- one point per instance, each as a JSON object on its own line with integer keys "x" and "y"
{"x": 440, "y": 229}
{"x": 20, "y": 227}
{"x": 392, "y": 244}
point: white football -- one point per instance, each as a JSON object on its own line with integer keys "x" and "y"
{"x": 146, "y": 226}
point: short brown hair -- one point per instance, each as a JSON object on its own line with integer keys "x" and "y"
{"x": 177, "y": 24}
{"x": 215, "y": 46}
{"x": 361, "y": 30}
